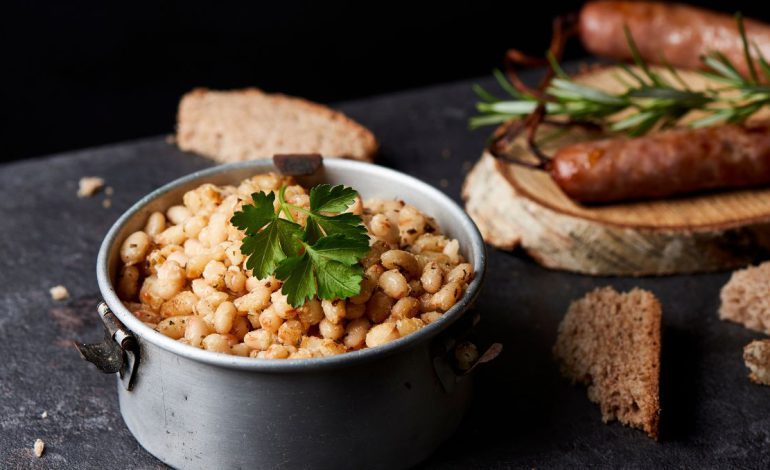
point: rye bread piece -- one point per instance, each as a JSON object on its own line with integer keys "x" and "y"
{"x": 232, "y": 126}
{"x": 610, "y": 342}
{"x": 746, "y": 298}
{"x": 756, "y": 356}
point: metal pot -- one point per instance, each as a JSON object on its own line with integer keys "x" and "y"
{"x": 385, "y": 407}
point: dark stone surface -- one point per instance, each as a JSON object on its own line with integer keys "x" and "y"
{"x": 523, "y": 414}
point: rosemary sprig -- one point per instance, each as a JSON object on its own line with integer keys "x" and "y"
{"x": 650, "y": 101}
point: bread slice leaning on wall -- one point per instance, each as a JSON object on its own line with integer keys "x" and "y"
{"x": 238, "y": 125}
{"x": 611, "y": 342}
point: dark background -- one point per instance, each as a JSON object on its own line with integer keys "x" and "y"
{"x": 84, "y": 73}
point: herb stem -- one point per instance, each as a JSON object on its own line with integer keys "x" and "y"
{"x": 284, "y": 205}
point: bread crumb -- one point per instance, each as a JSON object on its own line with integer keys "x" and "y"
{"x": 44, "y": 414}
{"x": 106, "y": 203}
{"x": 109, "y": 190}
{"x": 744, "y": 298}
{"x": 88, "y": 185}
{"x": 59, "y": 293}
{"x": 756, "y": 356}
{"x": 39, "y": 447}
{"x": 444, "y": 183}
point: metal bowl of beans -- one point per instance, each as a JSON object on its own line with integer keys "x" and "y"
{"x": 387, "y": 406}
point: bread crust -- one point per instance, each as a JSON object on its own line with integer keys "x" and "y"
{"x": 248, "y": 124}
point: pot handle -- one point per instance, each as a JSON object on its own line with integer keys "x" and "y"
{"x": 444, "y": 350}
{"x": 118, "y": 352}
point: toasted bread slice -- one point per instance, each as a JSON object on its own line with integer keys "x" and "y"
{"x": 746, "y": 298}
{"x": 232, "y": 126}
{"x": 611, "y": 342}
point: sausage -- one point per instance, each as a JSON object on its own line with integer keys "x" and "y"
{"x": 664, "y": 164}
{"x": 681, "y": 33}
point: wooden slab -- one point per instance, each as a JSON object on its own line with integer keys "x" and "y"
{"x": 516, "y": 206}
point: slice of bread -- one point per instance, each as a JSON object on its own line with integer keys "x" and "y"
{"x": 231, "y": 126}
{"x": 610, "y": 342}
{"x": 756, "y": 356}
{"x": 746, "y": 298}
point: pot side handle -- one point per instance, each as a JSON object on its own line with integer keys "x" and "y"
{"x": 444, "y": 351}
{"x": 117, "y": 353}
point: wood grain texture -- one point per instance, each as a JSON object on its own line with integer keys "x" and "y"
{"x": 517, "y": 206}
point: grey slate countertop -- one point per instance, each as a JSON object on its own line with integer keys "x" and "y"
{"x": 523, "y": 414}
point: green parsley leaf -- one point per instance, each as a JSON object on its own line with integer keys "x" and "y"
{"x": 328, "y": 198}
{"x": 329, "y": 268}
{"x": 320, "y": 260}
{"x": 336, "y": 260}
{"x": 253, "y": 217}
{"x": 299, "y": 283}
{"x": 269, "y": 239}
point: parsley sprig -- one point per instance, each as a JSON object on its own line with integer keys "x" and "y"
{"x": 320, "y": 259}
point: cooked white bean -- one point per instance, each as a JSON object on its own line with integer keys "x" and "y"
{"x": 182, "y": 303}
{"x": 355, "y": 333}
{"x": 430, "y": 317}
{"x": 196, "y": 329}
{"x": 156, "y": 223}
{"x": 432, "y": 277}
{"x": 281, "y": 306}
{"x": 381, "y": 334}
{"x": 378, "y": 307}
{"x": 224, "y": 316}
{"x": 171, "y": 280}
{"x": 214, "y": 274}
{"x": 406, "y": 307}
{"x": 407, "y": 326}
{"x": 173, "y": 235}
{"x": 331, "y": 330}
{"x": 216, "y": 343}
{"x": 394, "y": 284}
{"x": 259, "y": 340}
{"x": 240, "y": 349}
{"x": 311, "y": 313}
{"x": 269, "y": 320}
{"x": 403, "y": 260}
{"x": 460, "y": 273}
{"x": 173, "y": 327}
{"x": 135, "y": 248}
{"x": 290, "y": 332}
{"x": 447, "y": 296}
{"x": 383, "y": 229}
{"x": 334, "y": 310}
{"x": 255, "y": 300}
{"x": 235, "y": 280}
{"x": 178, "y": 214}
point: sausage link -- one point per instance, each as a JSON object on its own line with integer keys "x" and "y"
{"x": 682, "y": 33}
{"x": 664, "y": 164}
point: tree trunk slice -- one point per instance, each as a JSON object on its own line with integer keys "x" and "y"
{"x": 516, "y": 206}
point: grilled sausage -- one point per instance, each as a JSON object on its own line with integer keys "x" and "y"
{"x": 664, "y": 164}
{"x": 682, "y": 33}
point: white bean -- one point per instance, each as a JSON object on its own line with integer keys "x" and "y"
{"x": 331, "y": 330}
{"x": 381, "y": 334}
{"x": 394, "y": 284}
{"x": 134, "y": 248}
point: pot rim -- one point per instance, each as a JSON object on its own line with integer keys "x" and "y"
{"x": 144, "y": 332}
